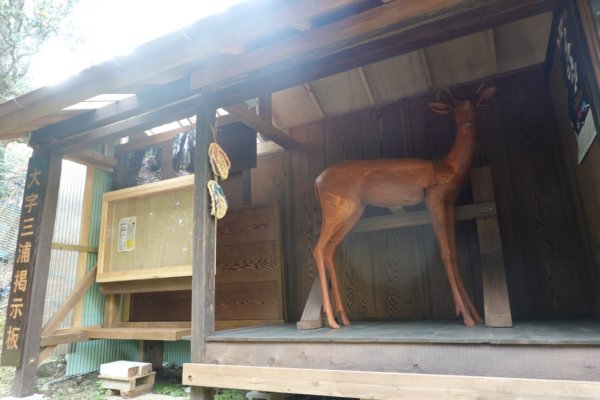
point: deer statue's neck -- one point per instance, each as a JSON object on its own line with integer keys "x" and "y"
{"x": 463, "y": 151}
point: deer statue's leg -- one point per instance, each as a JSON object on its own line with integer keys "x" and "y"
{"x": 451, "y": 223}
{"x": 329, "y": 253}
{"x": 435, "y": 199}
{"x": 336, "y": 212}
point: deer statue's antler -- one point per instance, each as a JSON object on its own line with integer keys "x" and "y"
{"x": 480, "y": 88}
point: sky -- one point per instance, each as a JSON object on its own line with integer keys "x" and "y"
{"x": 103, "y": 29}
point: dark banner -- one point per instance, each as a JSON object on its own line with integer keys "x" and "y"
{"x": 18, "y": 301}
{"x": 572, "y": 67}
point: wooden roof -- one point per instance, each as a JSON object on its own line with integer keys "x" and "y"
{"x": 317, "y": 58}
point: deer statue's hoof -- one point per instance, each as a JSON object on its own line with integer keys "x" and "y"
{"x": 345, "y": 320}
{"x": 332, "y": 324}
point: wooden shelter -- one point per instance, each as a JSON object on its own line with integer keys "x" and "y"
{"x": 321, "y": 82}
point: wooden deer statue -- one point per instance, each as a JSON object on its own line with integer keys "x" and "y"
{"x": 344, "y": 189}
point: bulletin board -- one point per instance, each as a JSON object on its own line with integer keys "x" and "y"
{"x": 146, "y": 231}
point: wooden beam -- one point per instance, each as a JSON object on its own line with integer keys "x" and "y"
{"x": 148, "y": 285}
{"x": 139, "y": 104}
{"x": 112, "y": 311}
{"x": 251, "y": 119}
{"x": 312, "y": 315}
{"x": 84, "y": 236}
{"x": 466, "y": 212}
{"x": 45, "y": 353}
{"x": 146, "y": 141}
{"x": 495, "y": 290}
{"x": 265, "y": 109}
{"x": 248, "y": 21}
{"x": 313, "y": 98}
{"x": 74, "y": 247}
{"x": 126, "y": 127}
{"x": 384, "y": 385}
{"x": 366, "y": 85}
{"x": 204, "y": 265}
{"x": 63, "y": 336}
{"x": 415, "y": 34}
{"x": 491, "y": 42}
{"x": 25, "y": 375}
{"x": 89, "y": 157}
{"x": 378, "y": 21}
{"x": 151, "y": 333}
{"x": 71, "y": 301}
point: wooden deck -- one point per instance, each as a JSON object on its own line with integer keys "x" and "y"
{"x": 535, "y": 332}
{"x": 541, "y": 349}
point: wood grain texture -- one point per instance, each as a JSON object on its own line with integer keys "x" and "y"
{"x": 542, "y": 243}
{"x": 583, "y": 179}
{"x": 496, "y": 302}
{"x": 382, "y": 386}
{"x": 510, "y": 361}
{"x": 248, "y": 282}
{"x": 307, "y": 162}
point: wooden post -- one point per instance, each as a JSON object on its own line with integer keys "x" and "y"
{"x": 495, "y": 292}
{"x": 30, "y": 273}
{"x": 204, "y": 242}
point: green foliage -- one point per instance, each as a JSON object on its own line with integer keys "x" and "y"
{"x": 230, "y": 394}
{"x": 171, "y": 389}
{"x": 14, "y": 157}
{"x": 24, "y": 26}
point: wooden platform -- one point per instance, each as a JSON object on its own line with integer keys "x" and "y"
{"x": 384, "y": 385}
{"x": 169, "y": 334}
{"x": 543, "y": 349}
{"x": 535, "y": 332}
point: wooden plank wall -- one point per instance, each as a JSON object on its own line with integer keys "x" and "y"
{"x": 397, "y": 274}
{"x": 584, "y": 177}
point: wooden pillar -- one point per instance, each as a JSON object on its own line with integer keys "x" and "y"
{"x": 204, "y": 260}
{"x": 30, "y": 273}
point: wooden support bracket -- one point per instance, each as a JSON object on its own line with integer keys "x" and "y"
{"x": 313, "y": 310}
{"x": 71, "y": 301}
{"x": 495, "y": 292}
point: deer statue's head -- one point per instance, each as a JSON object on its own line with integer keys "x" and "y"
{"x": 464, "y": 109}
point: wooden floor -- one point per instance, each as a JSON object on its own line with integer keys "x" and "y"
{"x": 541, "y": 349}
{"x": 584, "y": 332}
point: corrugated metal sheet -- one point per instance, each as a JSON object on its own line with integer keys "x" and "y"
{"x": 177, "y": 353}
{"x": 67, "y": 229}
{"x": 89, "y": 355}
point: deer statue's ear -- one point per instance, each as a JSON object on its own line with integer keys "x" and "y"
{"x": 486, "y": 97}
{"x": 440, "y": 108}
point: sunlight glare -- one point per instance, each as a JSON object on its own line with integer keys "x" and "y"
{"x": 114, "y": 27}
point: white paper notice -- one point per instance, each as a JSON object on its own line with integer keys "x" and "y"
{"x": 126, "y": 241}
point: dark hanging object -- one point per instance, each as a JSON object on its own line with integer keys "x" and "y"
{"x": 184, "y": 145}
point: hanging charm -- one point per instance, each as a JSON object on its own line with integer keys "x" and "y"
{"x": 218, "y": 201}
{"x": 218, "y": 161}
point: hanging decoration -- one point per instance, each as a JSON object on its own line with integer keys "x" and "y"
{"x": 220, "y": 165}
{"x": 219, "y": 161}
{"x": 218, "y": 201}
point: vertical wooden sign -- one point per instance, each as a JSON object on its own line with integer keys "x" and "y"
{"x": 22, "y": 277}
{"x": 572, "y": 57}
